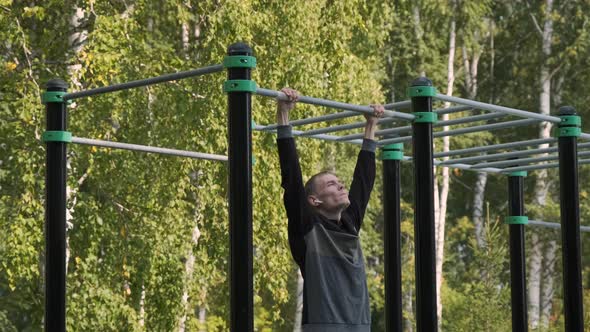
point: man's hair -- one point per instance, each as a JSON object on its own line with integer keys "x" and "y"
{"x": 311, "y": 185}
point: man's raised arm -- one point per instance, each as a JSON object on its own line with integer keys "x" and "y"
{"x": 364, "y": 172}
{"x": 291, "y": 179}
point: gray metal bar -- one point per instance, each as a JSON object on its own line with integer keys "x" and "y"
{"x": 334, "y": 104}
{"x": 505, "y": 155}
{"x": 389, "y": 120}
{"x": 453, "y": 109}
{"x": 320, "y": 136}
{"x": 468, "y": 167}
{"x": 344, "y": 127}
{"x": 585, "y": 136}
{"x": 144, "y": 148}
{"x": 524, "y": 161}
{"x": 500, "y": 125}
{"x": 495, "y": 147}
{"x": 398, "y": 105}
{"x": 502, "y": 155}
{"x": 541, "y": 166}
{"x": 302, "y": 122}
{"x": 496, "y": 108}
{"x": 144, "y": 82}
{"x": 554, "y": 225}
{"x": 406, "y": 129}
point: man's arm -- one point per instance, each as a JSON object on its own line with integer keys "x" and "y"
{"x": 291, "y": 179}
{"x": 364, "y": 172}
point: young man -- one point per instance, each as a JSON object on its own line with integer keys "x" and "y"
{"x": 324, "y": 223}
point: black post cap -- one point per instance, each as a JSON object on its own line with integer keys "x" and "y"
{"x": 566, "y": 110}
{"x": 239, "y": 49}
{"x": 422, "y": 81}
{"x": 56, "y": 84}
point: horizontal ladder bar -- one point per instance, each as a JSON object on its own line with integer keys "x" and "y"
{"x": 150, "y": 149}
{"x": 495, "y": 147}
{"x": 524, "y": 161}
{"x": 496, "y": 108}
{"x": 495, "y": 126}
{"x": 542, "y": 166}
{"x": 144, "y": 82}
{"x": 339, "y": 105}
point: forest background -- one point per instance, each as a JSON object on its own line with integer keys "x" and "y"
{"x": 147, "y": 239}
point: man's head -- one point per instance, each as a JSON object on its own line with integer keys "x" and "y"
{"x": 324, "y": 191}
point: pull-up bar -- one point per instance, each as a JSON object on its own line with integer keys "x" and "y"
{"x": 340, "y": 105}
{"x": 495, "y": 147}
{"x": 508, "y": 154}
{"x": 145, "y": 148}
{"x": 524, "y": 161}
{"x": 555, "y": 225}
{"x": 500, "y": 125}
{"x": 407, "y": 129}
{"x": 144, "y": 82}
{"x": 536, "y": 167}
{"x": 496, "y": 108}
{"x": 317, "y": 136}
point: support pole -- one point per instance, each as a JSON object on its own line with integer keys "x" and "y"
{"x": 569, "y": 130}
{"x": 55, "y": 207}
{"x": 392, "y": 155}
{"x": 517, "y": 221}
{"x": 240, "y": 194}
{"x": 421, "y": 93}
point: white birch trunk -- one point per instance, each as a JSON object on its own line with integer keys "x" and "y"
{"x": 478, "y": 202}
{"x": 76, "y": 41}
{"x": 470, "y": 68}
{"x": 189, "y": 265}
{"x": 534, "y": 278}
{"x": 549, "y": 259}
{"x": 185, "y": 32}
{"x": 541, "y": 185}
{"x": 299, "y": 305}
{"x": 549, "y": 256}
{"x": 444, "y": 187}
{"x": 203, "y": 319}
{"x": 419, "y": 33}
{"x": 142, "y": 306}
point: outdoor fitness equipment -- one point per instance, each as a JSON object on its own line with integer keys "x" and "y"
{"x": 239, "y": 88}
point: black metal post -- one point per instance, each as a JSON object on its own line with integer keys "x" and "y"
{"x": 392, "y": 154}
{"x": 55, "y": 214}
{"x": 426, "y": 315}
{"x": 517, "y": 254}
{"x": 240, "y": 198}
{"x": 570, "y": 219}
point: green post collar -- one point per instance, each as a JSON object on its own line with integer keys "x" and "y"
{"x": 425, "y": 117}
{"x": 569, "y": 126}
{"x": 239, "y": 86}
{"x": 239, "y": 61}
{"x": 52, "y": 97}
{"x": 517, "y": 220}
{"x": 518, "y": 173}
{"x": 57, "y": 136}
{"x": 421, "y": 91}
{"x": 393, "y": 151}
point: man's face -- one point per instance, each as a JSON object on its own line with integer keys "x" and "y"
{"x": 332, "y": 193}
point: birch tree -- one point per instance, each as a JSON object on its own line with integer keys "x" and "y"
{"x": 541, "y": 184}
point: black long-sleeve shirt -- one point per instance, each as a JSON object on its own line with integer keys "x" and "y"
{"x": 328, "y": 252}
